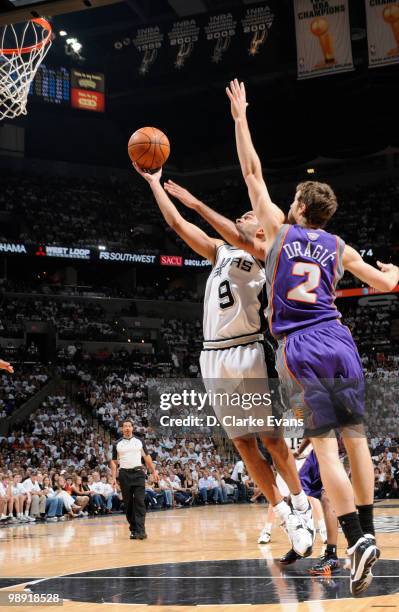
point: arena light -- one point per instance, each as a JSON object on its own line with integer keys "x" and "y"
{"x": 310, "y": 170}
{"x": 101, "y": 247}
{"x": 74, "y": 44}
{"x": 62, "y": 33}
{"x": 73, "y": 47}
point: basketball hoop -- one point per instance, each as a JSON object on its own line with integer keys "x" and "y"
{"x": 22, "y": 49}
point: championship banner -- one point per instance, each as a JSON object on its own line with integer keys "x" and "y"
{"x": 322, "y": 37}
{"x": 148, "y": 41}
{"x": 382, "y": 32}
{"x": 183, "y": 36}
{"x": 257, "y": 22}
{"x": 220, "y": 29}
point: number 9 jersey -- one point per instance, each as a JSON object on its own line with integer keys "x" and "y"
{"x": 235, "y": 300}
{"x": 303, "y": 268}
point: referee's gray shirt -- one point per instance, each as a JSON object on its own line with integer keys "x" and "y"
{"x": 128, "y": 451}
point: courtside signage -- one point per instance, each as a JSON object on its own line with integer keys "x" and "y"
{"x": 63, "y": 252}
{"x": 171, "y": 260}
{"x": 10, "y": 247}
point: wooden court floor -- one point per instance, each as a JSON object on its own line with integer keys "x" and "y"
{"x": 203, "y": 534}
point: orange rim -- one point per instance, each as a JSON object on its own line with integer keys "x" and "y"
{"x": 46, "y": 26}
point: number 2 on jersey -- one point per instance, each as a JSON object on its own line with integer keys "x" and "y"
{"x": 226, "y": 298}
{"x": 304, "y": 291}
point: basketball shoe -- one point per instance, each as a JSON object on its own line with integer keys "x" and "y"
{"x": 327, "y": 565}
{"x": 301, "y": 535}
{"x": 362, "y": 555}
{"x": 264, "y": 537}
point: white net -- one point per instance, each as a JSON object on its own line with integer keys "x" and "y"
{"x": 23, "y": 48}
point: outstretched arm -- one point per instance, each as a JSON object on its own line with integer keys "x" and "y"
{"x": 192, "y": 235}
{"x": 384, "y": 279}
{"x": 270, "y": 216}
{"x": 226, "y": 228}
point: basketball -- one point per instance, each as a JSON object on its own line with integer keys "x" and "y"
{"x": 149, "y": 148}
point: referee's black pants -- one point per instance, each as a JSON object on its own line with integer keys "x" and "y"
{"x": 132, "y": 484}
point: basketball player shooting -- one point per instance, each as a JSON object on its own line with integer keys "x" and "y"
{"x": 233, "y": 350}
{"x": 317, "y": 360}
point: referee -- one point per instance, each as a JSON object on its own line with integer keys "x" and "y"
{"x": 128, "y": 451}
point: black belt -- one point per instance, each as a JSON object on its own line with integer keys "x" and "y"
{"x": 135, "y": 469}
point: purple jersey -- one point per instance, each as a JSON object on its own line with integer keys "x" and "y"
{"x": 302, "y": 270}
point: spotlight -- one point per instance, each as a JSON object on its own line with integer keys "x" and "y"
{"x": 62, "y": 33}
{"x": 310, "y": 170}
{"x": 101, "y": 247}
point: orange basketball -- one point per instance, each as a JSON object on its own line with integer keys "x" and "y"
{"x": 149, "y": 148}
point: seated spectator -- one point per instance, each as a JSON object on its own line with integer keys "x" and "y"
{"x": 54, "y": 504}
{"x": 6, "y": 499}
{"x": 77, "y": 492}
{"x": 35, "y": 493}
{"x": 22, "y": 500}
{"x": 72, "y": 509}
{"x": 109, "y": 494}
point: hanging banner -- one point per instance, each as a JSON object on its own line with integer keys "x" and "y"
{"x": 220, "y": 29}
{"x": 257, "y": 22}
{"x": 183, "y": 36}
{"x": 382, "y": 32}
{"x": 322, "y": 37}
{"x": 148, "y": 41}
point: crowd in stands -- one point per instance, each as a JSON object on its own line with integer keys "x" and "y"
{"x": 56, "y": 465}
{"x": 17, "y": 388}
{"x": 50, "y": 286}
{"x": 385, "y": 454}
{"x": 80, "y": 212}
{"x": 72, "y": 320}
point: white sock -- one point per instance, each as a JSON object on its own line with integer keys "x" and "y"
{"x": 26, "y": 512}
{"x": 300, "y": 501}
{"x": 268, "y": 527}
{"x": 282, "y": 510}
{"x": 321, "y": 524}
{"x": 19, "y": 514}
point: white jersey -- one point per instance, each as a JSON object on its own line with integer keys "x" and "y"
{"x": 234, "y": 300}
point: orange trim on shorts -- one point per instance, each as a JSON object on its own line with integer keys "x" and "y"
{"x": 291, "y": 373}
{"x": 274, "y": 278}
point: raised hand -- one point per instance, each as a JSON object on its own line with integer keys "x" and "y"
{"x": 4, "y": 365}
{"x": 151, "y": 178}
{"x": 386, "y": 267}
{"x": 181, "y": 194}
{"x": 238, "y": 99}
{"x": 390, "y": 270}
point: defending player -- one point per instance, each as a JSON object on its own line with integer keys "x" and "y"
{"x": 233, "y": 353}
{"x": 317, "y": 359}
